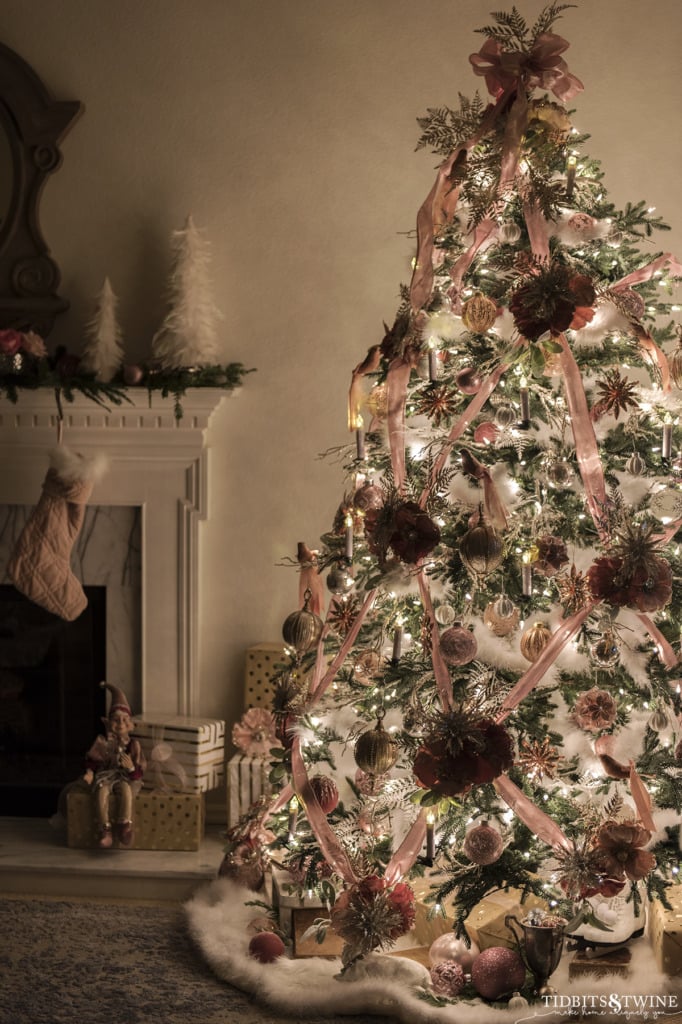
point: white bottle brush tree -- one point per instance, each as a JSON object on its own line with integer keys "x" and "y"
{"x": 103, "y": 352}
{"x": 187, "y": 336}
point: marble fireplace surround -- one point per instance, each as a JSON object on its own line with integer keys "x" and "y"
{"x": 156, "y": 464}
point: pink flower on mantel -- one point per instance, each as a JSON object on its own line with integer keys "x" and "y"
{"x": 255, "y": 734}
{"x": 10, "y": 341}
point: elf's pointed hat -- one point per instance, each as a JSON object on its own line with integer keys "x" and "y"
{"x": 119, "y": 701}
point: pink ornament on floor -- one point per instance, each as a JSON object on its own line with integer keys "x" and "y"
{"x": 255, "y": 732}
{"x": 449, "y": 947}
{"x": 266, "y": 947}
{"x": 496, "y": 971}
{"x": 447, "y": 978}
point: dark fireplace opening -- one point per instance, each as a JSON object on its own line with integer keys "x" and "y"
{"x": 51, "y": 704}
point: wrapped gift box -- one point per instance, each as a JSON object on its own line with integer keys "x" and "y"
{"x": 261, "y": 660}
{"x": 665, "y": 932}
{"x": 429, "y": 924}
{"x": 296, "y": 913}
{"x": 247, "y": 780}
{"x": 600, "y": 963}
{"x": 163, "y": 821}
{"x": 485, "y": 924}
{"x": 197, "y": 744}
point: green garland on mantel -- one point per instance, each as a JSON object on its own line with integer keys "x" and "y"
{"x": 61, "y": 374}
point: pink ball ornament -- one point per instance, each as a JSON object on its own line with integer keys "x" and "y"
{"x": 483, "y": 844}
{"x": 486, "y": 432}
{"x": 132, "y": 374}
{"x": 497, "y": 971}
{"x": 449, "y": 947}
{"x": 469, "y": 380}
{"x": 326, "y": 793}
{"x": 458, "y": 645}
{"x": 447, "y": 978}
{"x": 266, "y": 947}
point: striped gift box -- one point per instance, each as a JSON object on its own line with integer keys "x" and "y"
{"x": 197, "y": 744}
{"x": 247, "y": 779}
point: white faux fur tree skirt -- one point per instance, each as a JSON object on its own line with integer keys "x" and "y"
{"x": 218, "y": 920}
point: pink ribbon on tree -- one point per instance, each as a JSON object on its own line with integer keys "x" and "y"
{"x": 666, "y": 654}
{"x": 586, "y": 449}
{"x": 329, "y": 844}
{"x": 484, "y": 235}
{"x": 495, "y": 511}
{"x": 440, "y": 669}
{"x": 397, "y": 381}
{"x": 408, "y": 851}
{"x": 530, "y": 679}
{"x": 321, "y": 682}
{"x": 530, "y": 814}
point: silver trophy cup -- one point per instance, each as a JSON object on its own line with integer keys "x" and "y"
{"x": 540, "y": 948}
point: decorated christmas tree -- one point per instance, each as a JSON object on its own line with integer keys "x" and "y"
{"x": 484, "y": 662}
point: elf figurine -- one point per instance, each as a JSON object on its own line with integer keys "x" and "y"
{"x": 114, "y": 766}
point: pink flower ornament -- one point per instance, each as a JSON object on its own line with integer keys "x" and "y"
{"x": 255, "y": 734}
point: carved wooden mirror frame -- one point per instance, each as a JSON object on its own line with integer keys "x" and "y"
{"x": 32, "y": 124}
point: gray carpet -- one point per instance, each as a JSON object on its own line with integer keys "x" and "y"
{"x": 65, "y": 962}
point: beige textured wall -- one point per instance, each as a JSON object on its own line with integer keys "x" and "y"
{"x": 287, "y": 128}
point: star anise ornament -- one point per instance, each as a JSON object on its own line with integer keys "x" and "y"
{"x": 538, "y": 760}
{"x": 438, "y": 404}
{"x": 617, "y": 394}
{"x": 343, "y": 614}
{"x": 574, "y": 590}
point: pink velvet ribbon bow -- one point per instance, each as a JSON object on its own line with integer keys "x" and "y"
{"x": 542, "y": 68}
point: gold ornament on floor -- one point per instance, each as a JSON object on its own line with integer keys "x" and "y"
{"x": 538, "y": 760}
{"x": 302, "y": 629}
{"x": 479, "y": 313}
{"x": 375, "y": 750}
{"x": 481, "y": 549}
{"x": 534, "y": 640}
{"x": 501, "y": 616}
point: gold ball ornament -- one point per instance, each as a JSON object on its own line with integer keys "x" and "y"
{"x": 501, "y": 616}
{"x": 658, "y": 721}
{"x": 377, "y": 401}
{"x": 505, "y": 416}
{"x": 479, "y": 313}
{"x": 302, "y": 629}
{"x": 481, "y": 549}
{"x": 635, "y": 465}
{"x": 509, "y": 232}
{"x": 560, "y": 473}
{"x": 534, "y": 640}
{"x": 367, "y": 667}
{"x": 605, "y": 651}
{"x": 375, "y": 751}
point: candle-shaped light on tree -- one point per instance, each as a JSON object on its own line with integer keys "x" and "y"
{"x": 293, "y": 817}
{"x": 397, "y": 642}
{"x": 433, "y": 360}
{"x": 524, "y": 396}
{"x": 526, "y": 574}
{"x": 430, "y": 836}
{"x": 348, "y": 550}
{"x": 571, "y": 164}
{"x": 667, "y": 440}
{"x": 360, "y": 444}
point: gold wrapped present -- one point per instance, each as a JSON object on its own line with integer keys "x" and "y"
{"x": 429, "y": 924}
{"x": 261, "y": 660}
{"x": 163, "y": 821}
{"x": 665, "y": 932}
{"x": 296, "y": 913}
{"x": 485, "y": 924}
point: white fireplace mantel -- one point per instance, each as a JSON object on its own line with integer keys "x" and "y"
{"x": 156, "y": 463}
